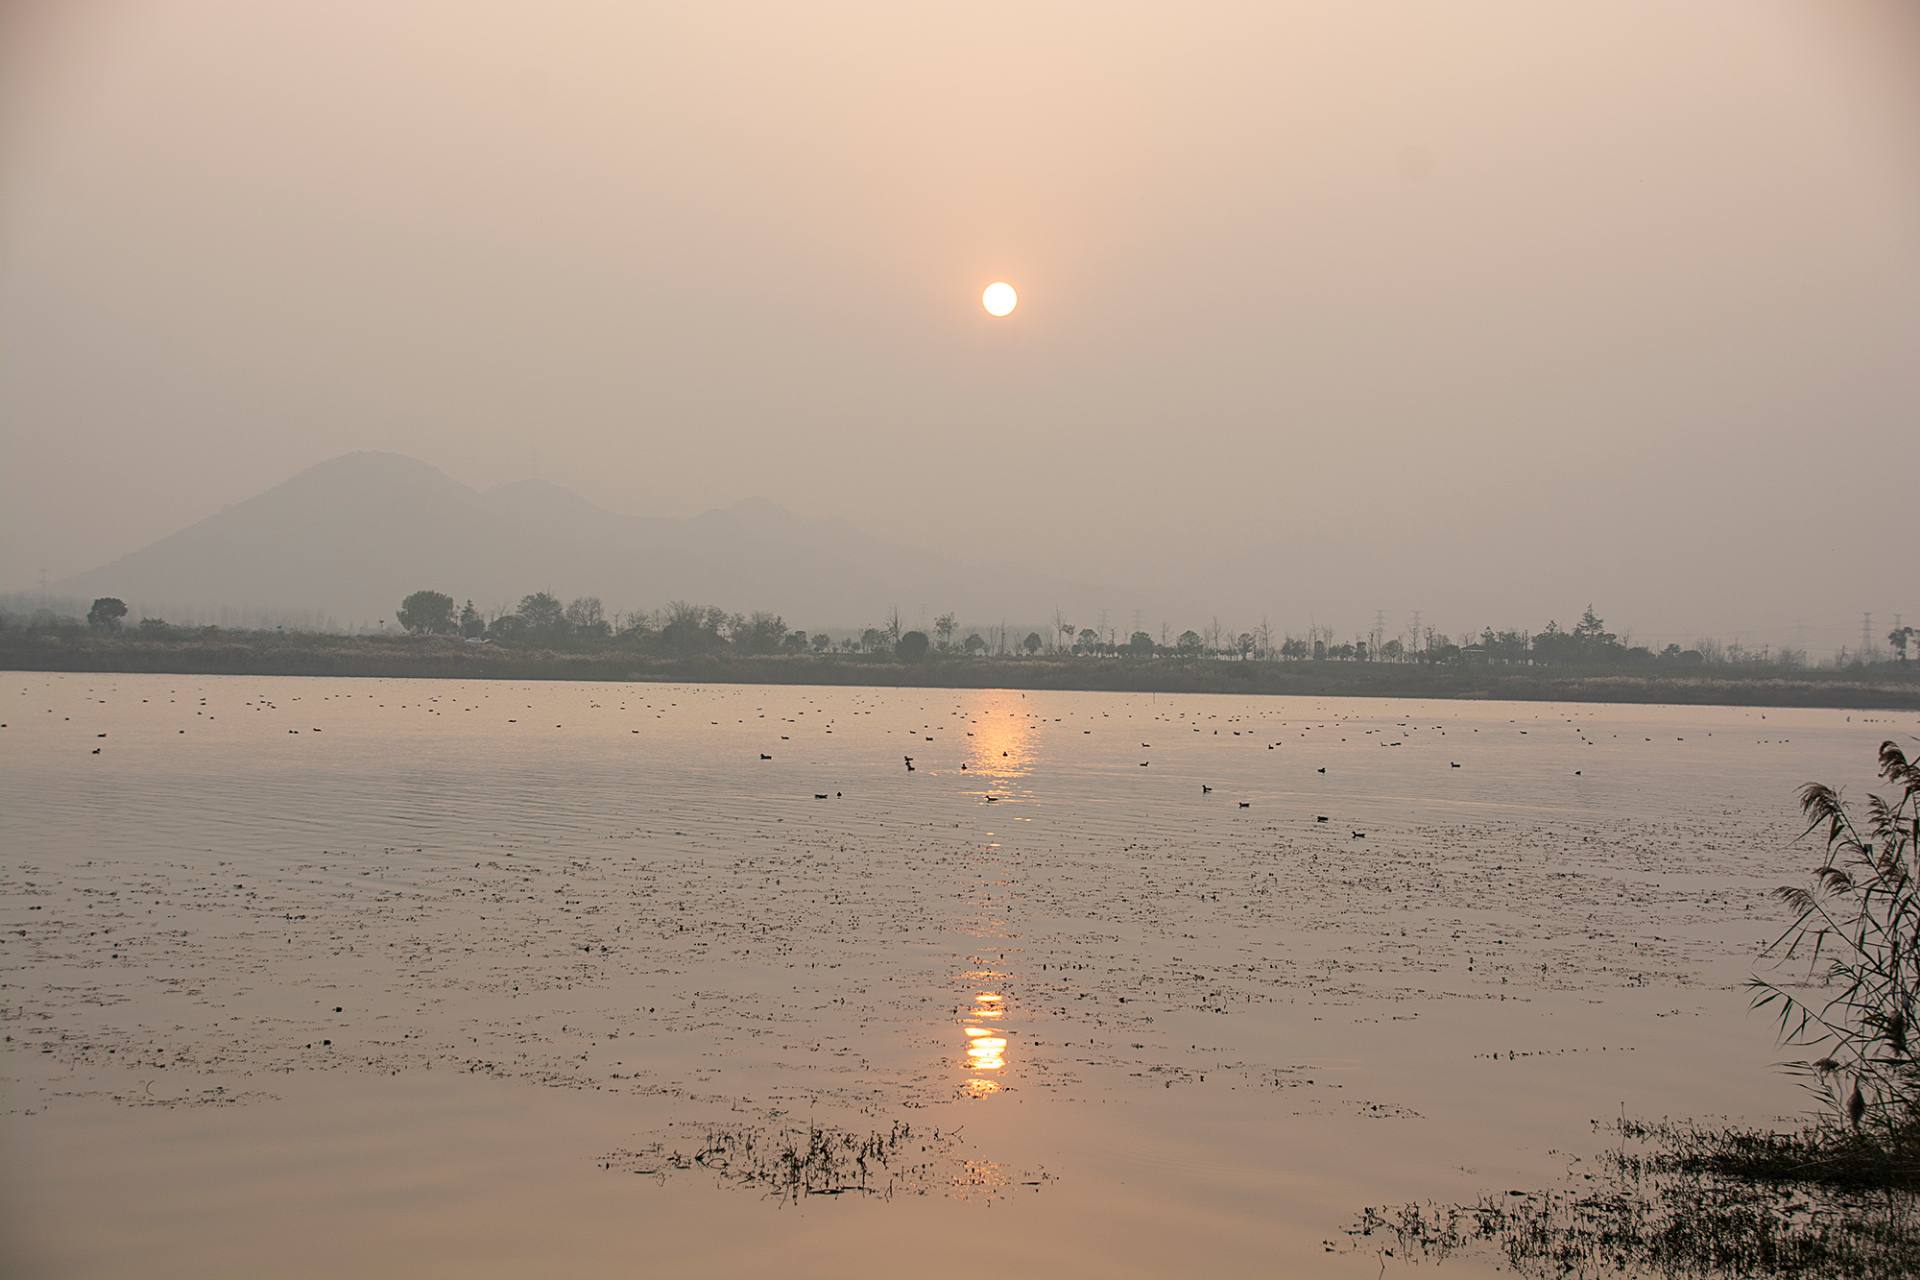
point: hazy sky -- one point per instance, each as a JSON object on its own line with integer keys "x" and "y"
{"x": 1477, "y": 308}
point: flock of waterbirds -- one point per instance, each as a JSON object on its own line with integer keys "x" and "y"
{"x": 647, "y": 891}
{"x": 1328, "y": 724}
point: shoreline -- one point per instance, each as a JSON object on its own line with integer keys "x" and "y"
{"x": 1885, "y": 688}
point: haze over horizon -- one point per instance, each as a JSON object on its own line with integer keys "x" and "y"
{"x": 1486, "y": 310}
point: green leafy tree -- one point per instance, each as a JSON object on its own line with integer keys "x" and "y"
{"x": 472, "y": 625}
{"x": 943, "y": 628}
{"x": 760, "y": 633}
{"x": 1592, "y": 642}
{"x": 427, "y": 613}
{"x": 542, "y": 614}
{"x": 1140, "y": 645}
{"x": 1554, "y": 645}
{"x": 1591, "y": 631}
{"x": 974, "y": 644}
{"x": 1189, "y": 643}
{"x": 1088, "y": 641}
{"x": 821, "y": 642}
{"x": 912, "y": 647}
{"x": 692, "y": 628}
{"x": 106, "y": 613}
{"x": 1032, "y": 643}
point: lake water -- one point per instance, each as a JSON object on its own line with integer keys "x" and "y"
{"x": 323, "y": 977}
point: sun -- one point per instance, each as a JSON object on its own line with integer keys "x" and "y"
{"x": 999, "y": 298}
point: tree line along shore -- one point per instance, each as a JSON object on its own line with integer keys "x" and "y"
{"x": 544, "y": 638}
{"x": 272, "y": 653}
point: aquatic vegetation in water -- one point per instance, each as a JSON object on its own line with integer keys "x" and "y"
{"x": 790, "y": 1163}
{"x": 1674, "y": 1200}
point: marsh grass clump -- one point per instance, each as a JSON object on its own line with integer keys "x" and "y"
{"x": 1674, "y": 1200}
{"x": 820, "y": 1162}
{"x": 793, "y": 1163}
{"x": 1821, "y": 1155}
{"x": 1857, "y": 928}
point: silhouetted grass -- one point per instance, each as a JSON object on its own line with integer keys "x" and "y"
{"x": 1820, "y": 1155}
{"x": 1674, "y": 1200}
{"x": 792, "y": 1163}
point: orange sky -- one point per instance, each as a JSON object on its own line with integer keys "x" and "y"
{"x": 1479, "y": 308}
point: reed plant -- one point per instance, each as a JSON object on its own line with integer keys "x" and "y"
{"x": 1856, "y": 928}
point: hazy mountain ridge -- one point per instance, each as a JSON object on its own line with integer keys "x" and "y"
{"x": 347, "y": 538}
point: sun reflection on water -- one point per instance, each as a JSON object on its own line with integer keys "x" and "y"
{"x": 986, "y": 1045}
{"x": 1000, "y": 738}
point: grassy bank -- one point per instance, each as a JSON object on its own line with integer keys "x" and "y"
{"x": 256, "y": 653}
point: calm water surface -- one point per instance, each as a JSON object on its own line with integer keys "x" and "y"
{"x": 308, "y": 977}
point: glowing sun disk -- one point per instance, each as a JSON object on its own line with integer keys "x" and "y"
{"x": 999, "y": 298}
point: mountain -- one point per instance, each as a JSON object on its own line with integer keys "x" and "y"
{"x": 347, "y": 538}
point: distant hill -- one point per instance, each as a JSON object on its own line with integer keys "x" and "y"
{"x": 346, "y": 539}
